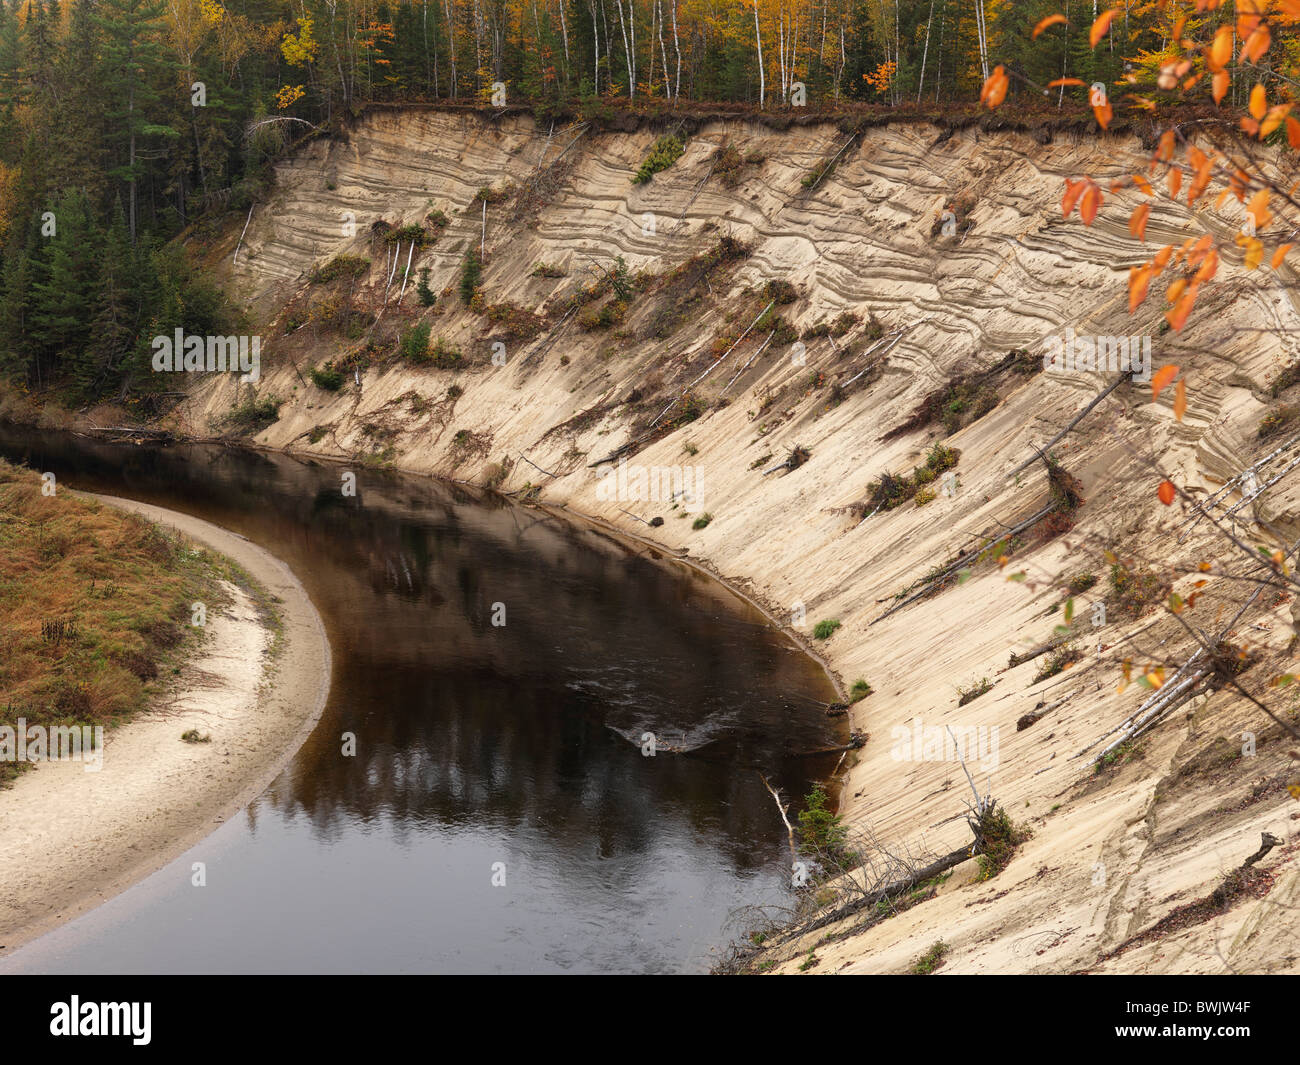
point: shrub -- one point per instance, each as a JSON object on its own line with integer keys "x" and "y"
{"x": 1275, "y": 421}
{"x": 349, "y": 266}
{"x": 860, "y": 690}
{"x": 821, "y": 831}
{"x": 824, "y": 630}
{"x": 1137, "y": 589}
{"x": 666, "y": 151}
{"x": 998, "y": 837}
{"x": 1057, "y": 662}
{"x": 973, "y": 691}
{"x": 414, "y": 343}
{"x": 1080, "y": 584}
{"x": 253, "y": 415}
{"x": 701, "y": 521}
{"x": 328, "y": 378}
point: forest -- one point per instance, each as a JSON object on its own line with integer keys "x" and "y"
{"x": 124, "y": 121}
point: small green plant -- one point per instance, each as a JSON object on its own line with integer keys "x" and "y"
{"x": 860, "y": 690}
{"x": 542, "y": 269}
{"x": 666, "y": 151}
{"x": 423, "y": 291}
{"x": 471, "y": 275}
{"x": 702, "y": 521}
{"x": 930, "y": 960}
{"x": 690, "y": 448}
{"x": 809, "y": 961}
{"x": 924, "y": 496}
{"x": 193, "y": 736}
{"x": 824, "y": 630}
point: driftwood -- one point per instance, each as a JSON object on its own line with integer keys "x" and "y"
{"x": 1034, "y": 652}
{"x": 1042, "y": 451}
{"x": 950, "y": 569}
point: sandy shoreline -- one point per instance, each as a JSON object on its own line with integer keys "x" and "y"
{"x": 72, "y": 839}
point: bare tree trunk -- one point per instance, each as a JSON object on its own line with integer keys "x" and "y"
{"x": 758, "y": 45}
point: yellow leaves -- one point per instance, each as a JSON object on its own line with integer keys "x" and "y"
{"x": 1161, "y": 380}
{"x": 1258, "y": 102}
{"x": 212, "y": 12}
{"x": 1155, "y": 677}
{"x": 1254, "y": 249}
{"x": 1137, "y": 222}
{"x": 1220, "y": 50}
{"x": 1273, "y": 119}
{"x": 995, "y": 89}
{"x": 299, "y": 51}
{"x": 1047, "y": 23}
{"x": 288, "y": 95}
{"x": 1101, "y": 26}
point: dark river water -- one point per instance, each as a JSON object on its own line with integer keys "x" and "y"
{"x": 479, "y": 744}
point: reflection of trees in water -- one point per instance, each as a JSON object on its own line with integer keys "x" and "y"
{"x": 537, "y": 723}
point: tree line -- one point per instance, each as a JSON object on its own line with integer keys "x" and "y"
{"x": 124, "y": 121}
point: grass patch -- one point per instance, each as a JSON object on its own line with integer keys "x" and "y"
{"x": 860, "y": 690}
{"x": 973, "y": 691}
{"x": 341, "y": 266}
{"x": 1058, "y": 662}
{"x": 825, "y": 629}
{"x": 95, "y": 605}
{"x": 926, "y": 963}
{"x": 253, "y": 415}
{"x": 702, "y": 521}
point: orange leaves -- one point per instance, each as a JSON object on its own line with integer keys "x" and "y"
{"x": 1101, "y": 26}
{"x": 1161, "y": 380}
{"x": 1176, "y": 316}
{"x": 1162, "y": 257}
{"x": 1256, "y": 44}
{"x": 1167, "y": 493}
{"x": 1180, "y": 400}
{"x": 1137, "y": 222}
{"x": 1202, "y": 164}
{"x": 1258, "y": 210}
{"x": 1293, "y": 133}
{"x": 1139, "y": 280}
{"x": 1219, "y": 85}
{"x": 1087, "y": 194}
{"x": 1090, "y": 203}
{"x": 995, "y": 89}
{"x": 1175, "y": 182}
{"x": 1103, "y": 113}
{"x": 1220, "y": 50}
{"x": 1209, "y": 265}
{"x": 1258, "y": 102}
{"x": 1047, "y": 23}
{"x": 1165, "y": 149}
{"x": 1279, "y": 255}
{"x": 1064, "y": 81}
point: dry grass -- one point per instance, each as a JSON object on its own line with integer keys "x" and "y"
{"x": 122, "y": 588}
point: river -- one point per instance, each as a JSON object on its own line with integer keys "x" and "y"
{"x": 481, "y": 744}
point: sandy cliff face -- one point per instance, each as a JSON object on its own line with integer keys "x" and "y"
{"x": 1111, "y": 853}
